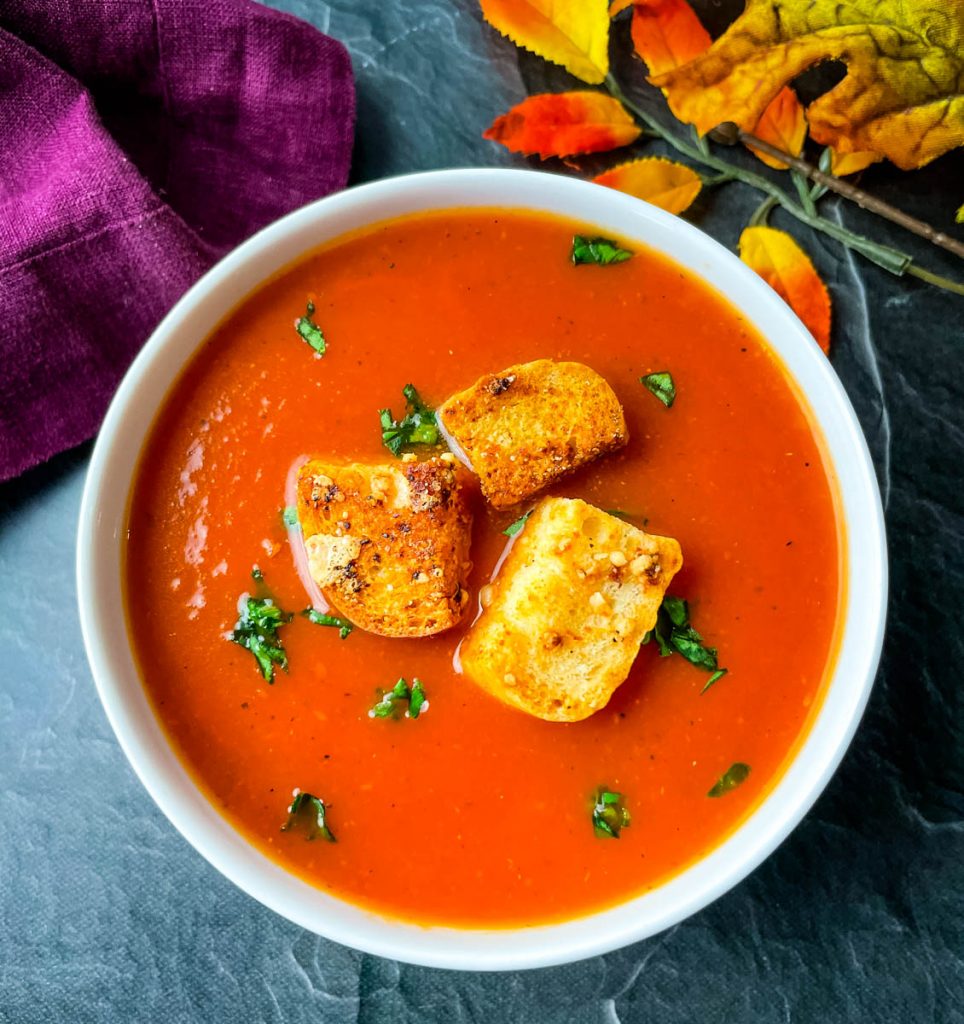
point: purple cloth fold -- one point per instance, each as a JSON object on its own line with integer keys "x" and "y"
{"x": 139, "y": 141}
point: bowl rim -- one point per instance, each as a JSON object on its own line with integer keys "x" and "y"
{"x": 99, "y": 567}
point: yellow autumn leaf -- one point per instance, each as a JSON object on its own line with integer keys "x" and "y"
{"x": 573, "y": 33}
{"x": 842, "y": 164}
{"x": 902, "y": 96}
{"x": 663, "y": 183}
{"x": 959, "y": 217}
{"x": 784, "y": 125}
{"x": 787, "y": 269}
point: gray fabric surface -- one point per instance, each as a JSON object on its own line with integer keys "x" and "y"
{"x": 108, "y": 914}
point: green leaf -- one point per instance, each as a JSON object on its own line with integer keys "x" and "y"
{"x": 390, "y": 703}
{"x": 417, "y": 699}
{"x": 343, "y": 626}
{"x": 601, "y": 251}
{"x": 689, "y": 643}
{"x": 312, "y": 810}
{"x": 514, "y": 528}
{"x": 418, "y": 426}
{"x": 310, "y": 331}
{"x": 661, "y": 385}
{"x": 677, "y": 610}
{"x": 257, "y": 631}
{"x": 718, "y": 674}
{"x": 730, "y": 779}
{"x": 290, "y": 516}
{"x": 674, "y": 634}
{"x": 609, "y": 813}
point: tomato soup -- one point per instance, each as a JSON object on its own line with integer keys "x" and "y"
{"x": 476, "y": 814}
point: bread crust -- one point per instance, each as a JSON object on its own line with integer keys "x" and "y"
{"x": 568, "y": 611}
{"x": 388, "y": 544}
{"x": 526, "y": 426}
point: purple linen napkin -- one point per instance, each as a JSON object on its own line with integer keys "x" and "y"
{"x": 139, "y": 141}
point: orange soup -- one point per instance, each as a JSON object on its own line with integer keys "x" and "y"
{"x": 475, "y": 813}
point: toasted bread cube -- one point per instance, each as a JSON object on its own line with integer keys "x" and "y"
{"x": 388, "y": 545}
{"x": 569, "y": 610}
{"x": 523, "y": 428}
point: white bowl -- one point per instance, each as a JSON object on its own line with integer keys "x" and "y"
{"x": 101, "y": 539}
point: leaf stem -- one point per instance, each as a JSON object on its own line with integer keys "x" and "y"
{"x": 885, "y": 256}
{"x": 760, "y": 214}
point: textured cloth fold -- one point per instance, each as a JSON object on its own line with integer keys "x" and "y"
{"x": 139, "y": 141}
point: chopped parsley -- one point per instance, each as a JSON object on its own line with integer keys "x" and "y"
{"x": 609, "y": 814}
{"x": 310, "y": 331}
{"x": 290, "y": 516}
{"x": 343, "y": 626}
{"x": 674, "y": 634}
{"x": 601, "y": 251}
{"x": 257, "y": 630}
{"x": 717, "y": 675}
{"x": 730, "y": 779}
{"x": 312, "y": 811}
{"x": 418, "y": 426}
{"x": 661, "y": 385}
{"x": 514, "y": 528}
{"x": 390, "y": 705}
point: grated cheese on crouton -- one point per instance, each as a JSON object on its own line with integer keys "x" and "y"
{"x": 530, "y": 424}
{"x": 388, "y": 545}
{"x": 568, "y": 611}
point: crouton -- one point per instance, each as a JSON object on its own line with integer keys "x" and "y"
{"x": 530, "y": 424}
{"x": 568, "y": 610}
{"x": 388, "y": 545}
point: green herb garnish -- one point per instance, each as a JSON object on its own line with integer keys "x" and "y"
{"x": 419, "y": 425}
{"x": 391, "y": 703}
{"x": 661, "y": 385}
{"x": 290, "y": 516}
{"x": 601, "y": 251}
{"x": 718, "y": 674}
{"x": 310, "y": 331}
{"x": 316, "y": 820}
{"x": 609, "y": 814}
{"x": 513, "y": 528}
{"x": 674, "y": 634}
{"x": 257, "y": 630}
{"x": 343, "y": 626}
{"x": 417, "y": 699}
{"x": 730, "y": 779}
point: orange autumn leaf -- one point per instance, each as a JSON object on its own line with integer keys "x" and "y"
{"x": 784, "y": 125}
{"x": 901, "y": 96}
{"x": 573, "y": 33}
{"x": 663, "y": 183}
{"x": 667, "y": 33}
{"x": 564, "y": 124}
{"x": 618, "y": 6}
{"x": 842, "y": 164}
{"x": 787, "y": 269}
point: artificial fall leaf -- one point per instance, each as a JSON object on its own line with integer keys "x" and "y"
{"x": 663, "y": 183}
{"x": 784, "y": 125}
{"x": 787, "y": 269}
{"x": 901, "y": 96}
{"x": 573, "y": 33}
{"x": 842, "y": 164}
{"x": 667, "y": 33}
{"x": 564, "y": 124}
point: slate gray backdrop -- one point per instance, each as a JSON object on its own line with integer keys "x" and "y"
{"x": 106, "y": 914}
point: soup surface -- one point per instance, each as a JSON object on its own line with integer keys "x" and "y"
{"x": 475, "y": 813}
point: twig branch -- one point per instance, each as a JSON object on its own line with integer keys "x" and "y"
{"x": 885, "y": 256}
{"x": 844, "y": 188}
